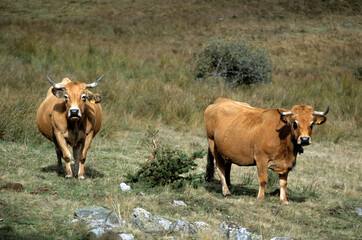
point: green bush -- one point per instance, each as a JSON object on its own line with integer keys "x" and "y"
{"x": 273, "y": 181}
{"x": 237, "y": 62}
{"x": 167, "y": 166}
{"x": 358, "y": 73}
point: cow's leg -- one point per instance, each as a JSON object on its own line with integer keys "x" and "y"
{"x": 59, "y": 157}
{"x": 209, "y": 174}
{"x": 263, "y": 179}
{"x": 220, "y": 165}
{"x": 77, "y": 151}
{"x": 65, "y": 152}
{"x": 85, "y": 147}
{"x": 227, "y": 174}
{"x": 283, "y": 179}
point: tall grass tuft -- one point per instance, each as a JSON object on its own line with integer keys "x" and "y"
{"x": 17, "y": 121}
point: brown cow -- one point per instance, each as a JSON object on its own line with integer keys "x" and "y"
{"x": 70, "y": 114}
{"x": 240, "y": 134}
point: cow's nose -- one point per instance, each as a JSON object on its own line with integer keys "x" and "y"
{"x": 305, "y": 140}
{"x": 74, "y": 112}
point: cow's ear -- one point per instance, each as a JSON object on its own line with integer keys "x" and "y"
{"x": 319, "y": 119}
{"x": 285, "y": 116}
{"x": 59, "y": 93}
{"x": 94, "y": 98}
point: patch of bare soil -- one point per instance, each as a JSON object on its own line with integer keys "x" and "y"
{"x": 13, "y": 187}
{"x": 97, "y": 197}
{"x": 41, "y": 190}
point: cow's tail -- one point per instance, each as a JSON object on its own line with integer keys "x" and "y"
{"x": 209, "y": 174}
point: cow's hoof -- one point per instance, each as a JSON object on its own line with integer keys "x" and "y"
{"x": 285, "y": 203}
{"x": 260, "y": 198}
{"x": 81, "y": 177}
{"x": 68, "y": 176}
{"x": 226, "y": 193}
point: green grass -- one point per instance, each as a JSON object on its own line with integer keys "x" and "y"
{"x": 324, "y": 189}
{"x": 147, "y": 49}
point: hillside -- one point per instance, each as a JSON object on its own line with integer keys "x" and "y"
{"x": 147, "y": 51}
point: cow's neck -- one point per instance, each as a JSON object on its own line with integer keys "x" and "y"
{"x": 297, "y": 148}
{"x": 75, "y": 126}
{"x": 285, "y": 135}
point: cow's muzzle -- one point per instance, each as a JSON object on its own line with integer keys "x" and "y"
{"x": 74, "y": 114}
{"x": 304, "y": 141}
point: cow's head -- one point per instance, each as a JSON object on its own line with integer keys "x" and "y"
{"x": 75, "y": 95}
{"x": 301, "y": 120}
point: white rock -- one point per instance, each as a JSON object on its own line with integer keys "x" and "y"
{"x": 125, "y": 187}
{"x": 358, "y": 211}
{"x": 183, "y": 226}
{"x": 235, "y": 232}
{"x": 126, "y": 236}
{"x": 202, "y": 226}
{"x": 149, "y": 223}
{"x": 97, "y": 231}
{"x": 74, "y": 220}
{"x": 178, "y": 203}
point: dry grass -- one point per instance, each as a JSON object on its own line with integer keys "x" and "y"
{"x": 324, "y": 189}
{"x": 146, "y": 48}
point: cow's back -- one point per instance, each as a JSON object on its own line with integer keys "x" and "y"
{"x": 235, "y": 129}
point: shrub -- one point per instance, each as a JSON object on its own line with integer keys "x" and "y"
{"x": 167, "y": 166}
{"x": 358, "y": 73}
{"x": 273, "y": 180}
{"x": 237, "y": 62}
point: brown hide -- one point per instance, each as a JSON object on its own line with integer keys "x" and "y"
{"x": 246, "y": 136}
{"x": 55, "y": 124}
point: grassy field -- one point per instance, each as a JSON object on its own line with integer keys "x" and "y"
{"x": 147, "y": 50}
{"x": 324, "y": 190}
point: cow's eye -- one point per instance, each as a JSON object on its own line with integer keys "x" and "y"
{"x": 66, "y": 97}
{"x": 295, "y": 125}
{"x": 83, "y": 97}
{"x": 311, "y": 125}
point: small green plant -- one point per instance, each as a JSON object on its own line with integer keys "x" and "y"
{"x": 236, "y": 61}
{"x": 273, "y": 181}
{"x": 358, "y": 73}
{"x": 167, "y": 166}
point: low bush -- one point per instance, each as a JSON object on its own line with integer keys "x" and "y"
{"x": 236, "y": 61}
{"x": 358, "y": 73}
{"x": 168, "y": 166}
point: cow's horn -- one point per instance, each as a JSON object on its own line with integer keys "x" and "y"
{"x": 56, "y": 86}
{"x": 92, "y": 85}
{"x": 322, "y": 113}
{"x": 283, "y": 113}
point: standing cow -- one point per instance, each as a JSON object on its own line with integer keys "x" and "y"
{"x": 240, "y": 134}
{"x": 70, "y": 114}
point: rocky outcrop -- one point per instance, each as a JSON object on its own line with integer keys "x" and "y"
{"x": 233, "y": 231}
{"x": 102, "y": 221}
{"x": 146, "y": 222}
{"x": 149, "y": 223}
{"x": 107, "y": 224}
